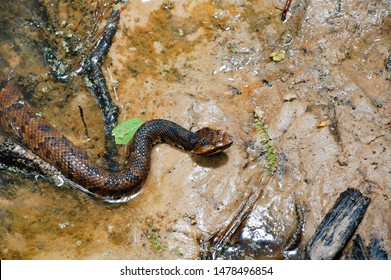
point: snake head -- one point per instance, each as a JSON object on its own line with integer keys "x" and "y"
{"x": 211, "y": 141}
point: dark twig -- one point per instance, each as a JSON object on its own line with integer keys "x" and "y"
{"x": 104, "y": 42}
{"x": 285, "y": 10}
{"x": 84, "y": 123}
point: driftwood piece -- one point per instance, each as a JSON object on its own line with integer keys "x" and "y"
{"x": 358, "y": 250}
{"x": 16, "y": 158}
{"x": 337, "y": 226}
{"x": 374, "y": 251}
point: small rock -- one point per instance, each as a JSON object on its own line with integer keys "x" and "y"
{"x": 342, "y": 160}
{"x": 290, "y": 97}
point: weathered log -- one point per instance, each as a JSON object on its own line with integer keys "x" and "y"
{"x": 337, "y": 226}
{"x": 16, "y": 158}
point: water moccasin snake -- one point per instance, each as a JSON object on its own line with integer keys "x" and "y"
{"x": 20, "y": 119}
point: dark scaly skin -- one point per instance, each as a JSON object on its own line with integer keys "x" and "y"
{"x": 19, "y": 118}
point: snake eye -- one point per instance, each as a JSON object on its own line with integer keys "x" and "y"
{"x": 211, "y": 141}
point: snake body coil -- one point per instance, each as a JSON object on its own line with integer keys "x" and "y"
{"x": 19, "y": 118}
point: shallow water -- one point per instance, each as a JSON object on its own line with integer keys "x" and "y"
{"x": 325, "y": 108}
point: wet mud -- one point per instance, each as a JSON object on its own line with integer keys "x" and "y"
{"x": 307, "y": 100}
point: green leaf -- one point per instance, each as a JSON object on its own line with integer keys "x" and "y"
{"x": 124, "y": 132}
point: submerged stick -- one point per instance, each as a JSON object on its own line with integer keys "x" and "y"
{"x": 16, "y": 158}
{"x": 96, "y": 83}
